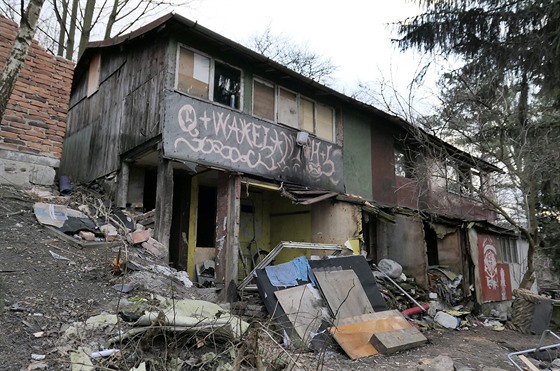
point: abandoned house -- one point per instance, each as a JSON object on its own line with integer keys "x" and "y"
{"x": 237, "y": 153}
{"x": 34, "y": 123}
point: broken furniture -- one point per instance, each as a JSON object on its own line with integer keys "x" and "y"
{"x": 521, "y": 355}
{"x": 286, "y": 245}
{"x": 336, "y": 295}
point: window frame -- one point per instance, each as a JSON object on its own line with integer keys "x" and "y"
{"x": 299, "y": 98}
{"x": 274, "y": 98}
{"x": 509, "y": 252}
{"x": 211, "y": 77}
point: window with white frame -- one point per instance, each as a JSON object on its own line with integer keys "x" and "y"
{"x": 292, "y": 109}
{"x": 508, "y": 250}
{"x": 201, "y": 76}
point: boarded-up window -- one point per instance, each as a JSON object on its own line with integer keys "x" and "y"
{"x": 307, "y": 115}
{"x": 325, "y": 122}
{"x": 287, "y": 108}
{"x": 93, "y": 74}
{"x": 227, "y": 85}
{"x": 263, "y": 100}
{"x": 193, "y": 73}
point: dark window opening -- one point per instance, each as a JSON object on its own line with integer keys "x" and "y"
{"x": 227, "y": 85}
{"x": 404, "y": 166}
{"x": 431, "y": 245}
{"x": 206, "y": 222}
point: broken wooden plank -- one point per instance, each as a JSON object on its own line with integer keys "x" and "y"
{"x": 390, "y": 342}
{"x": 317, "y": 199}
{"x": 528, "y": 363}
{"x": 343, "y": 292}
{"x": 302, "y": 305}
{"x": 354, "y": 338}
{"x": 354, "y": 334}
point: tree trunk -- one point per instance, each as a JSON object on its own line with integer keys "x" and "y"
{"x": 86, "y": 26}
{"x": 529, "y": 184}
{"x": 62, "y": 24}
{"x": 72, "y": 30}
{"x": 111, "y": 20}
{"x": 18, "y": 54}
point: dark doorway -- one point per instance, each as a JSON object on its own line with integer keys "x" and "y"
{"x": 179, "y": 233}
{"x": 150, "y": 189}
{"x": 431, "y": 245}
{"x": 369, "y": 226}
{"x": 206, "y": 221}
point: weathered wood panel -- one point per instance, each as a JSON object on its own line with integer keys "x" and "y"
{"x": 123, "y": 114}
{"x": 343, "y": 292}
{"x": 202, "y": 132}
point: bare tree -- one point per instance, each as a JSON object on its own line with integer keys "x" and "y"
{"x": 18, "y": 54}
{"x": 299, "y": 58}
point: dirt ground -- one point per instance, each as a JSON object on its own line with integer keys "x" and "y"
{"x": 41, "y": 296}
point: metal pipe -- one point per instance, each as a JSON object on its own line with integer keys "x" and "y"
{"x": 400, "y": 288}
{"x": 538, "y": 348}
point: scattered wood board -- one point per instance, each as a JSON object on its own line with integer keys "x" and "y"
{"x": 354, "y": 339}
{"x": 302, "y": 305}
{"x": 390, "y": 342}
{"x": 528, "y": 363}
{"x": 343, "y": 292}
{"x": 354, "y": 334}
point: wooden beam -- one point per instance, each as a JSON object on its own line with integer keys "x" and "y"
{"x": 164, "y": 203}
{"x": 122, "y": 186}
{"x": 227, "y": 235}
{"x": 528, "y": 363}
{"x": 317, "y": 199}
{"x": 193, "y": 216}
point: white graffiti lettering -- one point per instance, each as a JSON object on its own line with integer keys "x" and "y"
{"x": 232, "y": 139}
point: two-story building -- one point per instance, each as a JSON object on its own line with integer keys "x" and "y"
{"x": 237, "y": 153}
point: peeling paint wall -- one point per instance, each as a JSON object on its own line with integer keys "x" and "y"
{"x": 404, "y": 243}
{"x": 335, "y": 223}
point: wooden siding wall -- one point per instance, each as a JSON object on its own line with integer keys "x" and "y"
{"x": 123, "y": 114}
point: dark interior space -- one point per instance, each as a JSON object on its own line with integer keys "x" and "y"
{"x": 178, "y": 239}
{"x": 206, "y": 222}
{"x": 150, "y": 189}
{"x": 431, "y": 245}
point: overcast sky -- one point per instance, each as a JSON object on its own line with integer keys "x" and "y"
{"x": 354, "y": 34}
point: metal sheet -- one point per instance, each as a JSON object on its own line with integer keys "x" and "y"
{"x": 202, "y": 132}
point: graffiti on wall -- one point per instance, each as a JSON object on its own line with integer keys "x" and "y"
{"x": 494, "y": 276}
{"x": 202, "y": 132}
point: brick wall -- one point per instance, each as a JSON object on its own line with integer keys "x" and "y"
{"x": 35, "y": 119}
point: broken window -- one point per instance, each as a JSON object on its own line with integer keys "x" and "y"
{"x": 463, "y": 180}
{"x": 227, "y": 85}
{"x": 404, "y": 166}
{"x": 193, "y": 75}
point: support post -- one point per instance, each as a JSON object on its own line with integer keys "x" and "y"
{"x": 227, "y": 236}
{"x": 164, "y": 203}
{"x": 122, "y": 190}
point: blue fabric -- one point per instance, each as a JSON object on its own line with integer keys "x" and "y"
{"x": 287, "y": 274}
{"x": 282, "y": 274}
{"x": 303, "y": 269}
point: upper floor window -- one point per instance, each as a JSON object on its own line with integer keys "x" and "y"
{"x": 203, "y": 77}
{"x": 463, "y": 180}
{"x": 292, "y": 109}
{"x": 404, "y": 166}
{"x": 508, "y": 250}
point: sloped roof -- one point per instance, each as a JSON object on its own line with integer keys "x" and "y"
{"x": 178, "y": 26}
